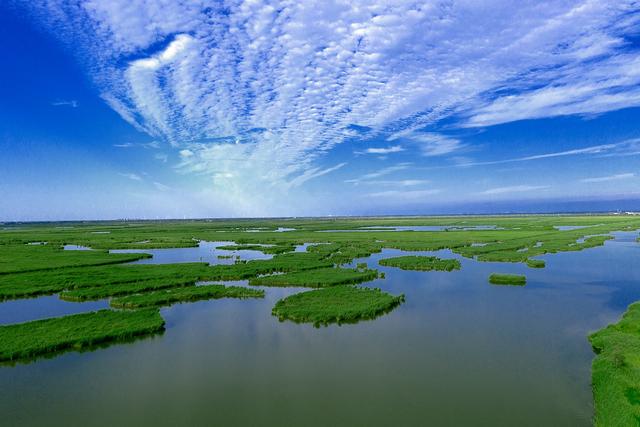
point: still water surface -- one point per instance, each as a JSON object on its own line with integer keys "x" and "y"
{"x": 458, "y": 352}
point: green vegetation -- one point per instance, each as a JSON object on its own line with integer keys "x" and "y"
{"x": 421, "y": 263}
{"x": 118, "y": 289}
{"x": 192, "y": 293}
{"x": 27, "y": 340}
{"x": 616, "y": 371}
{"x": 507, "y": 279}
{"x": 23, "y": 257}
{"x": 338, "y": 304}
{"x": 33, "y": 262}
{"x": 536, "y": 263}
{"x": 145, "y": 277}
{"x": 267, "y": 249}
{"x": 318, "y": 278}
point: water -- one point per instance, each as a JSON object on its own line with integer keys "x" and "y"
{"x": 204, "y": 252}
{"x": 459, "y": 351}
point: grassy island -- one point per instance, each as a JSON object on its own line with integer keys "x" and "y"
{"x": 318, "y": 278}
{"x": 27, "y": 340}
{"x": 616, "y": 371}
{"x": 421, "y": 263}
{"x": 536, "y": 263}
{"x": 508, "y": 279}
{"x": 338, "y": 304}
{"x": 187, "y": 294}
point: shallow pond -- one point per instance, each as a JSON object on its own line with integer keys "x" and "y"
{"x": 458, "y": 352}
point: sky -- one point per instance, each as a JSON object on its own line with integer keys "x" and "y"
{"x": 192, "y": 109}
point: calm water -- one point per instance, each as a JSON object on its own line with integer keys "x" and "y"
{"x": 458, "y": 352}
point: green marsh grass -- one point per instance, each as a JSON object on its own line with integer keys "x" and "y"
{"x": 536, "y": 263}
{"x": 616, "y": 371}
{"x": 187, "y": 294}
{"x": 421, "y": 263}
{"x": 317, "y": 278}
{"x": 338, "y": 304}
{"x": 507, "y": 279}
{"x": 75, "y": 332}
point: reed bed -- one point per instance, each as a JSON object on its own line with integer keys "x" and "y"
{"x": 188, "y": 294}
{"x": 31, "y": 339}
{"x": 338, "y": 304}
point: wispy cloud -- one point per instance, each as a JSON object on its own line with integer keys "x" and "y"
{"x": 314, "y": 173}
{"x": 616, "y": 177}
{"x": 398, "y": 183}
{"x": 380, "y": 173}
{"x": 130, "y": 175}
{"x": 513, "y": 189}
{"x": 624, "y": 148}
{"x": 383, "y": 150}
{"x": 62, "y": 103}
{"x": 407, "y": 195}
{"x": 161, "y": 186}
{"x": 430, "y": 144}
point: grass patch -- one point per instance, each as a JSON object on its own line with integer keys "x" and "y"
{"x": 536, "y": 263}
{"x": 119, "y": 289}
{"x": 421, "y": 263}
{"x": 28, "y": 340}
{"x": 508, "y": 279}
{"x": 339, "y": 304}
{"x": 318, "y": 278}
{"x": 192, "y": 293}
{"x": 616, "y": 371}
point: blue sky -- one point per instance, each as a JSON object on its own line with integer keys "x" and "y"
{"x": 171, "y": 109}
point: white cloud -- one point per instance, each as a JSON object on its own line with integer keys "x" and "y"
{"x": 305, "y": 72}
{"x": 513, "y": 189}
{"x": 132, "y": 176}
{"x": 161, "y": 186}
{"x": 377, "y": 174}
{"x": 71, "y": 103}
{"x": 433, "y": 144}
{"x": 624, "y": 148}
{"x": 616, "y": 177}
{"x": 411, "y": 195}
{"x": 398, "y": 183}
{"x": 387, "y": 150}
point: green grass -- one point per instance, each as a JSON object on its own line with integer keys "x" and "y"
{"x": 30, "y": 284}
{"x": 119, "y": 289}
{"x": 421, "y": 263}
{"x": 536, "y": 263}
{"x": 186, "y": 294}
{"x": 28, "y": 340}
{"x": 23, "y": 258}
{"x": 318, "y": 278}
{"x": 508, "y": 279}
{"x": 339, "y": 304}
{"x": 616, "y": 371}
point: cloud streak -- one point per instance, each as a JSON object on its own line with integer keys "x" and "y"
{"x": 615, "y": 177}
